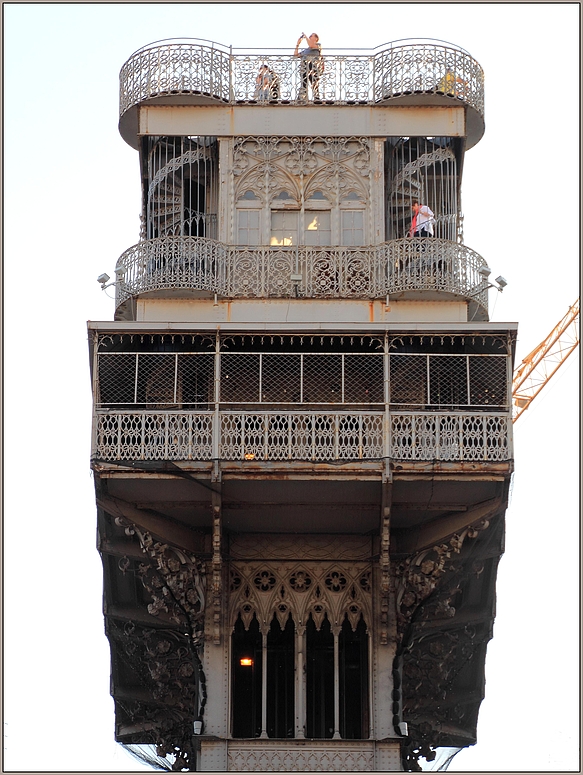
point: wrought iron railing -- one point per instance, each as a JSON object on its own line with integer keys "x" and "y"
{"x": 302, "y": 436}
{"x": 371, "y": 272}
{"x": 193, "y": 66}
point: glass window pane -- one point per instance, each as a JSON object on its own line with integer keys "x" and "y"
{"x": 317, "y": 227}
{"x": 284, "y": 227}
{"x": 248, "y": 227}
{"x": 352, "y": 228}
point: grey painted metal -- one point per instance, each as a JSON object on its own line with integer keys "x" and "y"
{"x": 438, "y": 119}
{"x": 204, "y": 267}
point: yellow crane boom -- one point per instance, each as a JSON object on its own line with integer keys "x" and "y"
{"x": 539, "y": 366}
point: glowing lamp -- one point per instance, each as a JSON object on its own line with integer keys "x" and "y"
{"x": 246, "y": 662}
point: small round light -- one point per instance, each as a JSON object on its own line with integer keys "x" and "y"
{"x": 246, "y": 662}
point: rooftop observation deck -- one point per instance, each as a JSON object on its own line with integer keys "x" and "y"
{"x": 412, "y": 72}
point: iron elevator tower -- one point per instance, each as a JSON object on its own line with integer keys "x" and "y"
{"x": 302, "y": 421}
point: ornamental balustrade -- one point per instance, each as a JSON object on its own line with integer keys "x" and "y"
{"x": 370, "y": 272}
{"x": 200, "y": 67}
{"x": 302, "y": 436}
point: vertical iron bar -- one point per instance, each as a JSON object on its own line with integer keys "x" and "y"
{"x": 136, "y": 379}
{"x": 175, "y": 378}
{"x": 387, "y": 435}
{"x": 266, "y": 435}
{"x": 263, "y": 685}
{"x": 428, "y": 384}
{"x": 336, "y": 735}
{"x": 217, "y": 398}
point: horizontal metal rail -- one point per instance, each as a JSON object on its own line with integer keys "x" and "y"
{"x": 201, "y": 264}
{"x": 302, "y": 436}
{"x": 192, "y": 66}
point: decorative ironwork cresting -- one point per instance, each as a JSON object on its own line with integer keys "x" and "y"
{"x": 218, "y": 73}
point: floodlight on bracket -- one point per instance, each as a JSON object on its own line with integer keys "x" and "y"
{"x": 499, "y": 283}
{"x": 105, "y": 278}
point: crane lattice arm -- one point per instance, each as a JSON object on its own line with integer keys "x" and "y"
{"x": 539, "y": 366}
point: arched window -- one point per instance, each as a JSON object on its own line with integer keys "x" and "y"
{"x": 280, "y": 680}
{"x": 305, "y": 671}
{"x": 249, "y": 219}
{"x": 319, "y": 680}
{"x": 352, "y": 220}
{"x": 353, "y": 676}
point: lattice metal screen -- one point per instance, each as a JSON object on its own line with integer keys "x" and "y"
{"x": 323, "y": 378}
{"x": 160, "y": 380}
{"x": 429, "y": 381}
{"x": 448, "y": 380}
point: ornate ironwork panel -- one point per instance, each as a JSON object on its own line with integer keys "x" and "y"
{"x": 153, "y": 436}
{"x": 301, "y": 436}
{"x": 449, "y": 437}
{"x": 321, "y": 756}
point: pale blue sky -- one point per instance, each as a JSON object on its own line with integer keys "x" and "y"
{"x": 72, "y": 202}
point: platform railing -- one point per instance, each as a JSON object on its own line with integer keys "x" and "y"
{"x": 370, "y": 272}
{"x": 322, "y": 436}
{"x": 192, "y": 66}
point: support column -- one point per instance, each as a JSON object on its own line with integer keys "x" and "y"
{"x": 217, "y": 567}
{"x": 336, "y": 735}
{"x": 300, "y": 699}
{"x": 384, "y": 560}
{"x": 264, "y": 686}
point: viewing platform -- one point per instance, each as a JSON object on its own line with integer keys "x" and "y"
{"x": 403, "y": 269}
{"x": 412, "y": 72}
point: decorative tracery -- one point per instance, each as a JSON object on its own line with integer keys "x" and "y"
{"x": 320, "y": 590}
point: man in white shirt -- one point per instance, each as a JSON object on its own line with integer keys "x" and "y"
{"x": 422, "y": 221}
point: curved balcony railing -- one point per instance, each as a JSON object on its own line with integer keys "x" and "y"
{"x": 205, "y": 266}
{"x": 303, "y": 436}
{"x": 220, "y": 73}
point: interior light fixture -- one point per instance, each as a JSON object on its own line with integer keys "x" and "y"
{"x": 246, "y": 662}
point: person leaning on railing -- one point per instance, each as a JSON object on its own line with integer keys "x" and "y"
{"x": 311, "y": 64}
{"x": 422, "y": 221}
{"x": 267, "y": 85}
{"x": 449, "y": 85}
